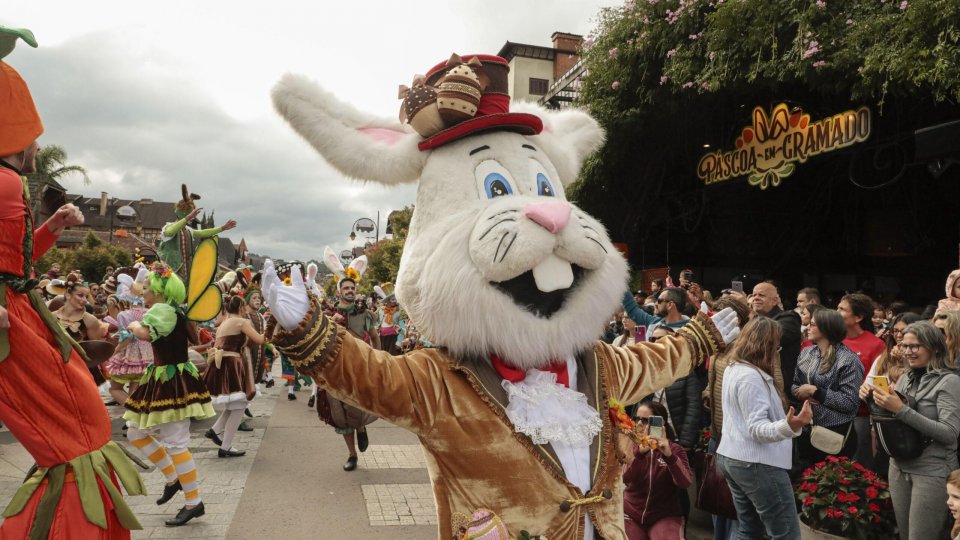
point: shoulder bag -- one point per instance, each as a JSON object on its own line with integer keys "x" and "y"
{"x": 823, "y": 439}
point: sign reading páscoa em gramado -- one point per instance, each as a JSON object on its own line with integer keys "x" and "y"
{"x": 769, "y": 150}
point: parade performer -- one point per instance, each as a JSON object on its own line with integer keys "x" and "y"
{"x": 47, "y": 398}
{"x": 132, "y": 356}
{"x": 389, "y": 316}
{"x": 177, "y": 240}
{"x": 230, "y": 375}
{"x": 171, "y": 392}
{"x": 511, "y": 281}
{"x": 295, "y": 381}
{"x": 347, "y": 420}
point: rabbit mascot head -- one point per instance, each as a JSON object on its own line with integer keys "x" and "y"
{"x": 493, "y": 233}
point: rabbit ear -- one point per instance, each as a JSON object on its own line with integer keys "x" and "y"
{"x": 379, "y": 290}
{"x": 359, "y": 264}
{"x": 125, "y": 279}
{"x": 312, "y": 272}
{"x": 184, "y": 192}
{"x": 332, "y": 262}
{"x": 141, "y": 275}
{"x": 357, "y": 144}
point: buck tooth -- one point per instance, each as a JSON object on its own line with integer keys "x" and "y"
{"x": 553, "y": 273}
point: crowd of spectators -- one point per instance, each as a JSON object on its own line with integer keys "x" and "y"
{"x": 804, "y": 385}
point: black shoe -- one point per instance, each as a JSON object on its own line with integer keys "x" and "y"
{"x": 270, "y": 383}
{"x": 351, "y": 463}
{"x": 231, "y": 453}
{"x": 169, "y": 492}
{"x": 248, "y": 413}
{"x": 184, "y": 515}
{"x": 291, "y": 397}
{"x": 362, "y": 441}
{"x": 311, "y": 401}
{"x": 213, "y": 437}
{"x": 244, "y": 427}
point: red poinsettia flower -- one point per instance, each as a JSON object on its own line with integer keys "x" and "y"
{"x": 844, "y": 481}
{"x": 808, "y": 501}
{"x": 853, "y": 510}
{"x": 833, "y": 513}
{"x": 874, "y": 507}
{"x": 872, "y": 492}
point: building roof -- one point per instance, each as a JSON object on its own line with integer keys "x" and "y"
{"x": 150, "y": 214}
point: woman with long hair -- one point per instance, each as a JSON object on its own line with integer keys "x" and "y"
{"x": 230, "y": 376}
{"x": 756, "y": 449}
{"x": 890, "y": 364}
{"x": 926, "y": 398}
{"x": 830, "y": 374}
{"x": 949, "y": 323}
{"x": 654, "y": 481}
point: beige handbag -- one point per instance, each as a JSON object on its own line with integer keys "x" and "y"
{"x": 823, "y": 439}
{"x": 828, "y": 441}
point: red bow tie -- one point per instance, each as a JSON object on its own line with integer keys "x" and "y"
{"x": 516, "y": 375}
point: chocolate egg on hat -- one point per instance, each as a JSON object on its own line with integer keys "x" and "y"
{"x": 419, "y": 108}
{"x": 458, "y": 95}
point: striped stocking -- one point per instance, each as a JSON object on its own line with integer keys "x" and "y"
{"x": 155, "y": 453}
{"x": 187, "y": 472}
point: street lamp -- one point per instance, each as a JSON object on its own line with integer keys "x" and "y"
{"x": 123, "y": 213}
{"x": 366, "y": 226}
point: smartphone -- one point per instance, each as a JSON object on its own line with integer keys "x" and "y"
{"x": 737, "y": 286}
{"x": 881, "y": 382}
{"x": 687, "y": 275}
{"x": 655, "y": 424}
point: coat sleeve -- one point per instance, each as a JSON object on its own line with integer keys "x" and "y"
{"x": 946, "y": 426}
{"x": 641, "y": 369}
{"x": 690, "y": 431}
{"x": 635, "y": 312}
{"x": 43, "y": 240}
{"x": 405, "y": 390}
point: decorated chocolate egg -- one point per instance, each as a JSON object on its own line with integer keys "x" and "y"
{"x": 458, "y": 94}
{"x": 419, "y": 109}
{"x": 485, "y": 525}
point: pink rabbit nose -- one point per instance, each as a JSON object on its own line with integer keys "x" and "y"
{"x": 552, "y": 216}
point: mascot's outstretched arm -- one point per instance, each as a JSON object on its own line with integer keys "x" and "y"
{"x": 399, "y": 389}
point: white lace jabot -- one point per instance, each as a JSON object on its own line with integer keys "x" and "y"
{"x": 549, "y": 412}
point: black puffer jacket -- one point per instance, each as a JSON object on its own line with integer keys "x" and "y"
{"x": 684, "y": 405}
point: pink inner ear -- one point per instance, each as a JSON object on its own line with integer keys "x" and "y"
{"x": 389, "y": 136}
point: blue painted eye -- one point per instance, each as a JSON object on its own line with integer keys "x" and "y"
{"x": 495, "y": 185}
{"x": 544, "y": 187}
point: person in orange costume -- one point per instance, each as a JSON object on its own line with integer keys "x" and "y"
{"x": 73, "y": 493}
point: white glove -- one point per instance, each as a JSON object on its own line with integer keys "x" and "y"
{"x": 727, "y": 323}
{"x": 288, "y": 305}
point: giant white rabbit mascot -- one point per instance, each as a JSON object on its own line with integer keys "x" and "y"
{"x": 513, "y": 282}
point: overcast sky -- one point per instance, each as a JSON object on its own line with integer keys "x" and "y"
{"x": 149, "y": 95}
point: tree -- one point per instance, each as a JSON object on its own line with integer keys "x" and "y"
{"x": 51, "y": 167}
{"x": 384, "y": 257}
{"x": 91, "y": 258}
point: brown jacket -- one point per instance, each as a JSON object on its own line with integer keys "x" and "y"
{"x": 474, "y": 456}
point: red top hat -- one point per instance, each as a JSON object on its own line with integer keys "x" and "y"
{"x": 461, "y": 97}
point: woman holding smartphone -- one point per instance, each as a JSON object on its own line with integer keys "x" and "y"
{"x": 654, "y": 480}
{"x": 932, "y": 391}
{"x": 756, "y": 450}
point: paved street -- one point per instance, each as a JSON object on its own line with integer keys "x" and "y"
{"x": 290, "y": 484}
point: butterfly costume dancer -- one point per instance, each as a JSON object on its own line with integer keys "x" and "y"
{"x": 171, "y": 392}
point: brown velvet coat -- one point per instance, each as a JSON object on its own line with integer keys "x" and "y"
{"x": 474, "y": 456}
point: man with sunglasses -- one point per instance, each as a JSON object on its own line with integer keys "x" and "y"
{"x": 668, "y": 310}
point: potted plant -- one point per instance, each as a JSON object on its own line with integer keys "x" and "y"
{"x": 842, "y": 498}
